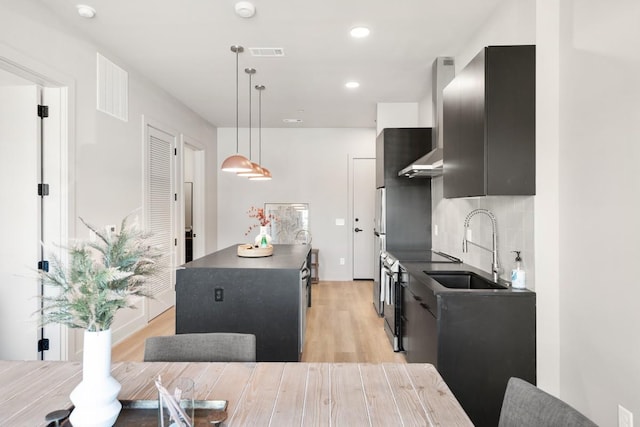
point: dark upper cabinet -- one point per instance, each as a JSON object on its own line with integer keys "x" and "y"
{"x": 397, "y": 147}
{"x": 489, "y": 125}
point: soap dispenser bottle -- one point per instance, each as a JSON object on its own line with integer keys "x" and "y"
{"x": 517, "y": 275}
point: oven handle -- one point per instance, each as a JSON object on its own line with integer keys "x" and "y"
{"x": 388, "y": 272}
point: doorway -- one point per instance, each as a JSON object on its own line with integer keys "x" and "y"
{"x": 33, "y": 152}
{"x": 363, "y": 207}
{"x": 193, "y": 160}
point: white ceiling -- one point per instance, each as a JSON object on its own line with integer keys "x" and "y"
{"x": 184, "y": 47}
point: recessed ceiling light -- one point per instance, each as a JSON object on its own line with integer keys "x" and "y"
{"x": 359, "y": 32}
{"x": 245, "y": 9}
{"x": 292, "y": 120}
{"x": 352, "y": 85}
{"x": 86, "y": 11}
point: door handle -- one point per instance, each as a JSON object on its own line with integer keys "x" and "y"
{"x": 357, "y": 230}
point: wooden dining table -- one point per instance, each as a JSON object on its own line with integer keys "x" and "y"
{"x": 258, "y": 394}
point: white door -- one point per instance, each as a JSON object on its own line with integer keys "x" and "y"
{"x": 364, "y": 190}
{"x": 19, "y": 227}
{"x": 160, "y": 213}
{"x": 26, "y": 219}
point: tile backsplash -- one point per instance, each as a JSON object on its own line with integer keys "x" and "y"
{"x": 514, "y": 218}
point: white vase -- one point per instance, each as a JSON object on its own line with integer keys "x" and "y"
{"x": 263, "y": 232}
{"x": 95, "y": 399}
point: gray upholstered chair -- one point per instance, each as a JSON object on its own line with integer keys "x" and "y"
{"x": 525, "y": 405}
{"x": 202, "y": 347}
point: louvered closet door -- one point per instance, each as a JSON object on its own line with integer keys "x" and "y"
{"x": 160, "y": 214}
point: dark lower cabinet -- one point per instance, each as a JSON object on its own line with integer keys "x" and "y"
{"x": 421, "y": 340}
{"x": 477, "y": 341}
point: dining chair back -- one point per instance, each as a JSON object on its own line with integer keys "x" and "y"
{"x": 201, "y": 347}
{"x": 525, "y": 405}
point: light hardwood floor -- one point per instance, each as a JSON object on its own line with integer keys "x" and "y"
{"x": 342, "y": 326}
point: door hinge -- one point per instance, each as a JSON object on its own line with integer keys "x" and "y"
{"x": 43, "y": 189}
{"x": 43, "y": 265}
{"x": 43, "y": 111}
{"x": 43, "y": 344}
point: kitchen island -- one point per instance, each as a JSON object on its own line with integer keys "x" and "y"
{"x": 264, "y": 296}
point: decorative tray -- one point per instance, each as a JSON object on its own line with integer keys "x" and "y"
{"x": 144, "y": 413}
{"x": 250, "y": 251}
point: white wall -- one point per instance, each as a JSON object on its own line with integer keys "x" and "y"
{"x": 599, "y": 206}
{"x": 546, "y": 221}
{"x": 105, "y": 153}
{"x": 396, "y": 115}
{"x": 308, "y": 166}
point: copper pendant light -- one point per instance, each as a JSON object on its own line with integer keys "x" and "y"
{"x": 237, "y": 162}
{"x": 266, "y": 174}
{"x": 256, "y": 170}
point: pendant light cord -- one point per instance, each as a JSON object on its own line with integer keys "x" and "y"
{"x": 250, "y": 71}
{"x": 260, "y": 124}
{"x": 237, "y": 108}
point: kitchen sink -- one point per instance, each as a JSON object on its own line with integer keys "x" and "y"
{"x": 463, "y": 280}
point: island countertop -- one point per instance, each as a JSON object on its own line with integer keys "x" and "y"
{"x": 285, "y": 257}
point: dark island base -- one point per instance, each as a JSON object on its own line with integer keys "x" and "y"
{"x": 266, "y": 297}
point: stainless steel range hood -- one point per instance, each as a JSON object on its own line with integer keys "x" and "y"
{"x": 428, "y": 165}
{"x": 431, "y": 163}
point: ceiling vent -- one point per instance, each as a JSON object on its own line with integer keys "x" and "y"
{"x": 266, "y": 51}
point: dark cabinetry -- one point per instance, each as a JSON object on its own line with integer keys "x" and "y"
{"x": 407, "y": 201}
{"x": 395, "y": 148}
{"x": 489, "y": 125}
{"x": 477, "y": 341}
{"x": 268, "y": 297}
{"x": 421, "y": 330}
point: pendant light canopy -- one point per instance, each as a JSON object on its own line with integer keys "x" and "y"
{"x": 237, "y": 162}
{"x": 256, "y": 170}
{"x": 266, "y": 174}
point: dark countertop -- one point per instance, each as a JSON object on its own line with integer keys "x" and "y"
{"x": 421, "y": 256}
{"x": 416, "y": 269}
{"x": 285, "y": 257}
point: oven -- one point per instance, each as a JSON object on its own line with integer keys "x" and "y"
{"x": 394, "y": 280}
{"x": 393, "y": 276}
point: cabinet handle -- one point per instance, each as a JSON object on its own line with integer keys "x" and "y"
{"x": 304, "y": 273}
{"x": 425, "y": 306}
{"x": 417, "y": 298}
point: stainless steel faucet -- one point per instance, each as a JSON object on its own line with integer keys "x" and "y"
{"x": 494, "y": 251}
